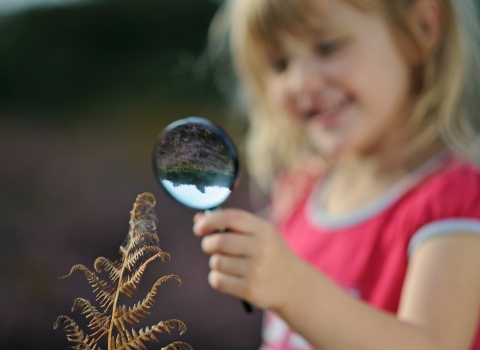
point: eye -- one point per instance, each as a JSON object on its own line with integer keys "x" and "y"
{"x": 328, "y": 47}
{"x": 279, "y": 65}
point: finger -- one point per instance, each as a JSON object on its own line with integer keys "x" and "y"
{"x": 236, "y": 220}
{"x": 234, "y": 266}
{"x": 232, "y": 244}
{"x": 198, "y": 216}
{"x": 226, "y": 283}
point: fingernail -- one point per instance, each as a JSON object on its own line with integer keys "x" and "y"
{"x": 197, "y": 216}
{"x": 195, "y": 230}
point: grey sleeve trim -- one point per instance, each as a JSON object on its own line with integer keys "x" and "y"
{"x": 443, "y": 227}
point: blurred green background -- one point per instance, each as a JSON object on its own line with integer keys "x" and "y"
{"x": 85, "y": 88}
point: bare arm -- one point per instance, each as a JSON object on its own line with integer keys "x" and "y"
{"x": 439, "y": 308}
{"x": 441, "y": 294}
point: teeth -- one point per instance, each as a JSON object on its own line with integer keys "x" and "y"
{"x": 333, "y": 107}
{"x": 329, "y": 108}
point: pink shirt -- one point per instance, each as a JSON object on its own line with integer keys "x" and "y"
{"x": 367, "y": 252}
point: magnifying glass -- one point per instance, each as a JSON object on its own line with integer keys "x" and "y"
{"x": 196, "y": 163}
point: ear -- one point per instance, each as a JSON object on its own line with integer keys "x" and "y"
{"x": 429, "y": 16}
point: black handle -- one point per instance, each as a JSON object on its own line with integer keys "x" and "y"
{"x": 248, "y": 307}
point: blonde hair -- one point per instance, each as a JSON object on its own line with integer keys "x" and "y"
{"x": 446, "y": 83}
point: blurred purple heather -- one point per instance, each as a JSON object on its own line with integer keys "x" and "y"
{"x": 84, "y": 91}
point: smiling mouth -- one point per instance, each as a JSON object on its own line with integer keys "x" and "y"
{"x": 331, "y": 110}
{"x": 329, "y": 117}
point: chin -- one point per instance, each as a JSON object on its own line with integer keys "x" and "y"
{"x": 334, "y": 151}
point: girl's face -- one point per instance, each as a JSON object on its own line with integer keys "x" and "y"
{"x": 348, "y": 82}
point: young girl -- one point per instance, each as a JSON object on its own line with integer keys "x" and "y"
{"x": 382, "y": 250}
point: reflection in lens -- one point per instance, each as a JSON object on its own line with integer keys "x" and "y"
{"x": 196, "y": 163}
{"x": 189, "y": 195}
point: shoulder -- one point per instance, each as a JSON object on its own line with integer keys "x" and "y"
{"x": 445, "y": 203}
{"x": 452, "y": 191}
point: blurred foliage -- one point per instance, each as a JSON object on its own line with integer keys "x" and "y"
{"x": 59, "y": 60}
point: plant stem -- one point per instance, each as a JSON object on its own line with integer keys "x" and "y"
{"x": 110, "y": 345}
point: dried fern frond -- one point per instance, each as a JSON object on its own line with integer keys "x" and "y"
{"x": 105, "y": 292}
{"x": 178, "y": 345}
{"x": 132, "y": 315}
{"x": 100, "y": 321}
{"x": 129, "y": 286}
{"x": 74, "y": 333}
{"x": 114, "y": 268}
{"x": 135, "y": 254}
{"x": 140, "y": 247}
{"x": 127, "y": 340}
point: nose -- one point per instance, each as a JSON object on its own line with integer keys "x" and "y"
{"x": 305, "y": 77}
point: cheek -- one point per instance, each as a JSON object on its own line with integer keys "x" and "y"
{"x": 386, "y": 85}
{"x": 272, "y": 92}
{"x": 278, "y": 96}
